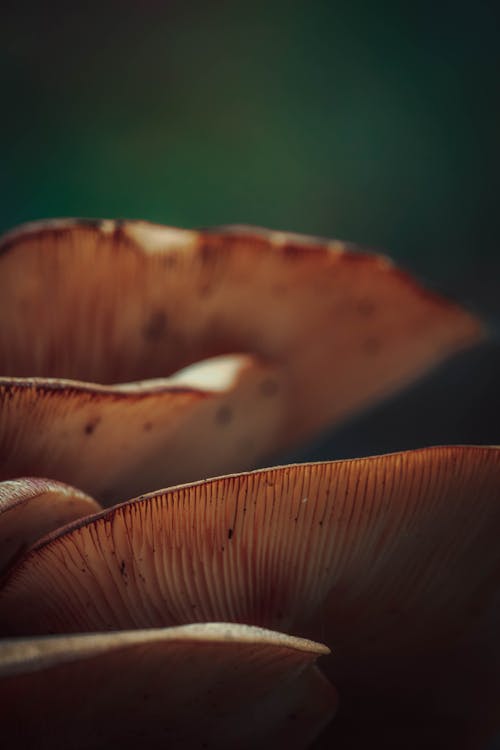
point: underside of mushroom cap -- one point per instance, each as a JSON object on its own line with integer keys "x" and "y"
{"x": 30, "y": 508}
{"x": 119, "y": 441}
{"x": 392, "y": 560}
{"x": 119, "y": 301}
{"x": 213, "y": 685}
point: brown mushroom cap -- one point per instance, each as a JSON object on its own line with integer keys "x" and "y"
{"x": 116, "y": 442}
{"x": 30, "y": 508}
{"x": 121, "y": 301}
{"x": 214, "y": 685}
{"x": 391, "y": 560}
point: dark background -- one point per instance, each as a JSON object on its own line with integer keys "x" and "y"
{"x": 378, "y": 123}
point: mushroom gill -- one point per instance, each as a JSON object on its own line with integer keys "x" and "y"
{"x": 214, "y": 685}
{"x": 31, "y": 508}
{"x": 115, "y": 302}
{"x": 116, "y": 441}
{"x": 392, "y": 561}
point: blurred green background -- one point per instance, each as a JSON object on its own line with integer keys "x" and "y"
{"x": 377, "y": 123}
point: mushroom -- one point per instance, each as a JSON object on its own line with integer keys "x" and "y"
{"x": 391, "y": 560}
{"x": 116, "y": 441}
{"x": 115, "y": 302}
{"x": 31, "y": 508}
{"x": 213, "y": 685}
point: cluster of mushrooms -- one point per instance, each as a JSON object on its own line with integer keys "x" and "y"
{"x": 340, "y": 604}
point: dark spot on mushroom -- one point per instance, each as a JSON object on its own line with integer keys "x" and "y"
{"x": 224, "y": 414}
{"x": 169, "y": 261}
{"x": 120, "y": 232}
{"x": 90, "y": 426}
{"x": 208, "y": 255}
{"x": 292, "y": 716}
{"x": 9, "y": 391}
{"x": 229, "y": 533}
{"x": 205, "y": 290}
{"x": 371, "y": 345}
{"x": 293, "y": 251}
{"x": 156, "y": 326}
{"x": 269, "y": 387}
{"x": 147, "y": 426}
{"x": 123, "y": 569}
{"x": 365, "y": 307}
{"x": 91, "y": 223}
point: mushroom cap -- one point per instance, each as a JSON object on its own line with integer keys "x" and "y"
{"x": 31, "y": 507}
{"x": 119, "y": 441}
{"x": 392, "y": 560}
{"x": 115, "y": 301}
{"x": 214, "y": 685}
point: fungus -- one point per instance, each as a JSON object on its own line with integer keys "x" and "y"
{"x": 338, "y": 328}
{"x": 116, "y": 441}
{"x": 162, "y": 356}
{"x": 31, "y": 508}
{"x": 391, "y": 562}
{"x": 214, "y": 685}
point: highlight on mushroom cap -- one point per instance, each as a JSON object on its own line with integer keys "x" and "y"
{"x": 214, "y": 685}
{"x": 164, "y": 355}
{"x": 117, "y": 441}
{"x": 116, "y": 302}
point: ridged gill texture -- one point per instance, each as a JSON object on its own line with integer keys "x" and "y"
{"x": 118, "y": 442}
{"x": 391, "y": 560}
{"x": 31, "y": 508}
{"x": 112, "y": 302}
